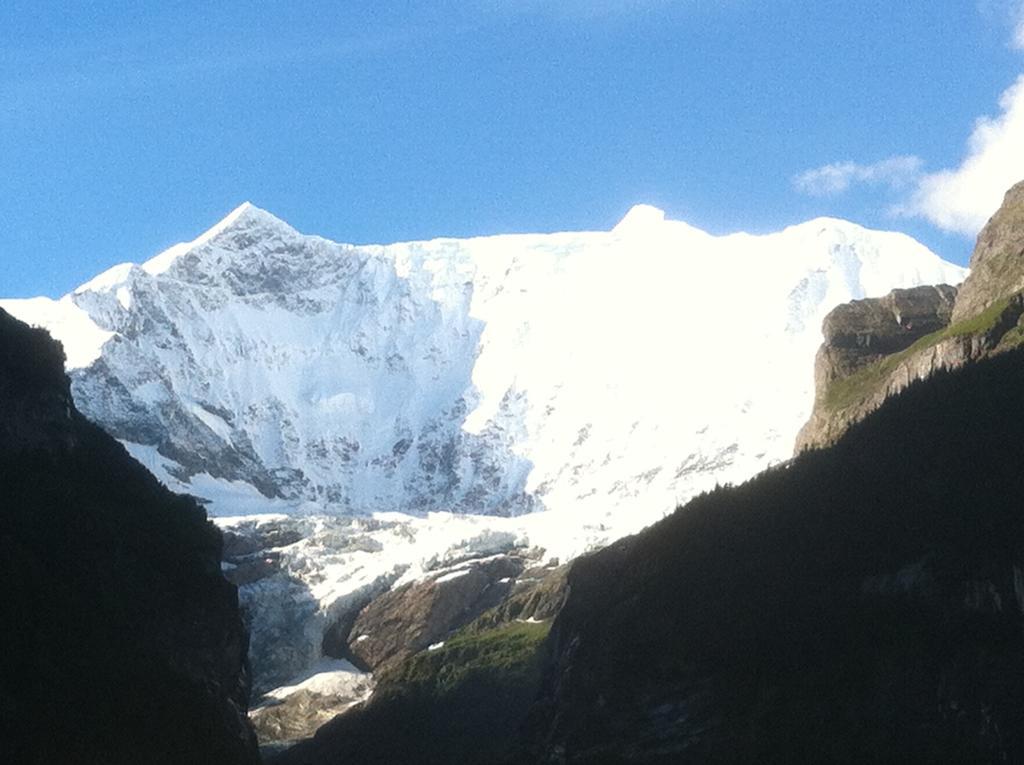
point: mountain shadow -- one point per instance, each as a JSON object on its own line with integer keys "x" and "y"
{"x": 121, "y": 640}
{"x": 863, "y": 603}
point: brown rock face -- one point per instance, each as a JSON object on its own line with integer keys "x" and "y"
{"x": 997, "y": 264}
{"x": 847, "y": 394}
{"x": 861, "y": 334}
{"x": 891, "y": 323}
{"x": 411, "y": 618}
{"x": 538, "y": 595}
{"x": 464, "y": 702}
{"x": 875, "y": 348}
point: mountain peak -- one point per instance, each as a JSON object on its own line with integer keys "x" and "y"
{"x": 640, "y": 218}
{"x": 997, "y": 263}
{"x": 245, "y": 216}
{"x": 241, "y": 211}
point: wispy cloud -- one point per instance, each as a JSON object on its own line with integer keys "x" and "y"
{"x": 1005, "y": 15}
{"x": 960, "y": 199}
{"x": 894, "y": 172}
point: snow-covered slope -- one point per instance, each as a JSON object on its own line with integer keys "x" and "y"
{"x": 616, "y": 372}
{"x": 600, "y": 377}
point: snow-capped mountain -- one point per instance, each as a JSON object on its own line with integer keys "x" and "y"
{"x": 596, "y": 379}
{"x": 495, "y": 375}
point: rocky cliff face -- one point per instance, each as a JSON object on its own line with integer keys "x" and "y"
{"x": 874, "y": 348}
{"x": 859, "y": 336}
{"x": 415, "y": 616}
{"x": 997, "y": 263}
{"x": 462, "y": 700}
{"x": 123, "y": 642}
{"x": 320, "y": 658}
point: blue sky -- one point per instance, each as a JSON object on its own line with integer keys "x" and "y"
{"x": 127, "y": 127}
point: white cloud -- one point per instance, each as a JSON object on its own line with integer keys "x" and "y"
{"x": 894, "y": 172}
{"x": 962, "y": 199}
{"x": 1017, "y": 21}
{"x": 1005, "y": 14}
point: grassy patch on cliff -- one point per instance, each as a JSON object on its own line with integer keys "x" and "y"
{"x": 979, "y": 323}
{"x": 510, "y": 652}
{"x": 866, "y": 382}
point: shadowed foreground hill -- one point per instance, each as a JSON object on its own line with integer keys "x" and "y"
{"x": 860, "y": 604}
{"x": 863, "y": 603}
{"x": 121, "y": 640}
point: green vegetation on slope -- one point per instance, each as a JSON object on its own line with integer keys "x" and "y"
{"x": 866, "y": 382}
{"x": 510, "y": 651}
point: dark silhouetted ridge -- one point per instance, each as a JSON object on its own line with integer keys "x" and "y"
{"x": 122, "y": 642}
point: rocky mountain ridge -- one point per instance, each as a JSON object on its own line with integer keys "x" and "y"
{"x": 876, "y": 347}
{"x": 997, "y": 263}
{"x": 256, "y": 364}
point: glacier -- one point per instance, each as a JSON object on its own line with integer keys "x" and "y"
{"x": 389, "y": 410}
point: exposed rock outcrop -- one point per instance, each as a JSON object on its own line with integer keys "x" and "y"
{"x": 123, "y": 642}
{"x": 863, "y": 330}
{"x": 861, "y": 334}
{"x": 997, "y": 263}
{"x": 414, "y": 617}
{"x": 537, "y": 596}
{"x": 874, "y": 348}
